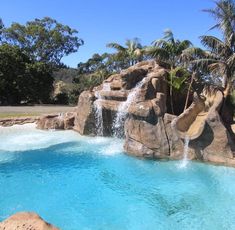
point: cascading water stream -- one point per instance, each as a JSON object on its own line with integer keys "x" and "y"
{"x": 60, "y": 116}
{"x": 185, "y": 160}
{"x": 98, "y": 110}
{"x": 123, "y": 110}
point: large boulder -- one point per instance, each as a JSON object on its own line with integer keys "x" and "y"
{"x": 56, "y": 121}
{"x": 85, "y": 114}
{"x": 26, "y": 221}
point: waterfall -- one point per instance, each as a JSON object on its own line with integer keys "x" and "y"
{"x": 98, "y": 116}
{"x": 106, "y": 86}
{"x": 184, "y": 161}
{"x": 123, "y": 110}
{"x": 98, "y": 110}
{"x": 60, "y": 116}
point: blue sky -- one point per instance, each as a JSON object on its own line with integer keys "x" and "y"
{"x": 102, "y": 21}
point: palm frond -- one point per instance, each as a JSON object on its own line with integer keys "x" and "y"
{"x": 203, "y": 63}
{"x": 158, "y": 53}
{"x": 116, "y": 46}
{"x": 214, "y": 44}
{"x": 182, "y": 45}
{"x": 194, "y": 52}
{"x": 224, "y": 14}
{"x": 217, "y": 68}
{"x": 159, "y": 42}
{"x": 169, "y": 36}
{"x": 231, "y": 60}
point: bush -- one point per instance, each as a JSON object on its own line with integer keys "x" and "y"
{"x": 21, "y": 80}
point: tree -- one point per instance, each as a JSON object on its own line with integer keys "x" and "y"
{"x": 168, "y": 51}
{"x": 220, "y": 55}
{"x": 43, "y": 40}
{"x": 129, "y": 55}
{"x": 224, "y": 15}
{"x": 93, "y": 64}
{"x": 40, "y": 84}
{"x": 12, "y": 69}
{"x": 1, "y": 28}
{"x": 220, "y": 60}
{"x": 188, "y": 58}
{"x": 22, "y": 80}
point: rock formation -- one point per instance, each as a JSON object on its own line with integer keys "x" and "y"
{"x": 56, "y": 121}
{"x": 133, "y": 105}
{"x": 113, "y": 93}
{"x": 17, "y": 121}
{"x": 201, "y": 123}
{"x": 25, "y": 221}
{"x": 149, "y": 130}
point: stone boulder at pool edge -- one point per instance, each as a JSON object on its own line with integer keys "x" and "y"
{"x": 26, "y": 221}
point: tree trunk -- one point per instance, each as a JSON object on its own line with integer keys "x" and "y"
{"x": 227, "y": 89}
{"x": 224, "y": 81}
{"x": 171, "y": 92}
{"x": 189, "y": 88}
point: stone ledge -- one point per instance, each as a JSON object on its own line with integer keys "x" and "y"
{"x": 17, "y": 121}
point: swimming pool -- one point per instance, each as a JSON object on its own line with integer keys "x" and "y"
{"x": 77, "y": 182}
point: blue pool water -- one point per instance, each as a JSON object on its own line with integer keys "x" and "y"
{"x": 86, "y": 183}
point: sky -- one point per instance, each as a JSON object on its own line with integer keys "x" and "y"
{"x": 104, "y": 21}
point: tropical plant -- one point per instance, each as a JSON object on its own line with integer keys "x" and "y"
{"x": 224, "y": 15}
{"x": 188, "y": 58}
{"x": 93, "y": 64}
{"x": 219, "y": 59}
{"x": 129, "y": 55}
{"x": 168, "y": 51}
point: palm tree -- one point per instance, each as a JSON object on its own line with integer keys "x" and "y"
{"x": 188, "y": 58}
{"x": 221, "y": 53}
{"x": 168, "y": 51}
{"x": 129, "y": 55}
{"x": 224, "y": 14}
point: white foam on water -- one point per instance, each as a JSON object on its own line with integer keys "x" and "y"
{"x": 27, "y": 137}
{"x": 114, "y": 147}
{"x": 104, "y": 145}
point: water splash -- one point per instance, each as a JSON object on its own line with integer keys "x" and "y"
{"x": 185, "y": 161}
{"x": 123, "y": 110}
{"x": 27, "y": 137}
